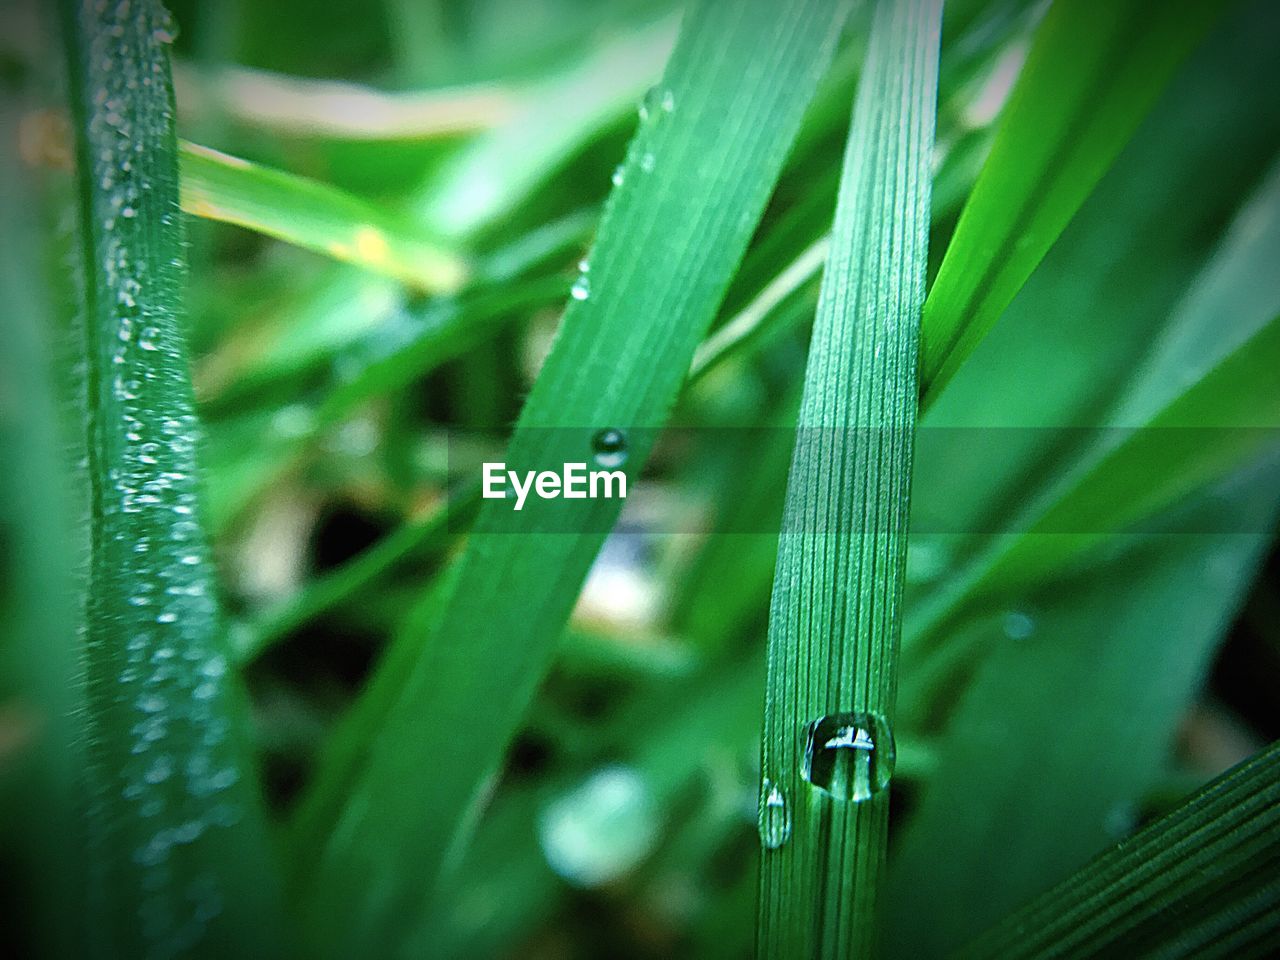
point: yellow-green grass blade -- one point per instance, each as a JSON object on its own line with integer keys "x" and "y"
{"x": 834, "y": 622}
{"x": 316, "y": 216}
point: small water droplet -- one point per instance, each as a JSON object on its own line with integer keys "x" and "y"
{"x": 584, "y": 265}
{"x": 609, "y": 448}
{"x": 774, "y": 816}
{"x": 849, "y": 755}
{"x": 655, "y": 99}
{"x": 619, "y": 174}
{"x": 1019, "y": 625}
{"x": 648, "y": 162}
{"x": 581, "y": 289}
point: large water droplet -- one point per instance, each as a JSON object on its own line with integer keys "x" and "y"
{"x": 774, "y": 816}
{"x": 581, "y": 288}
{"x": 849, "y": 755}
{"x": 601, "y": 830}
{"x": 609, "y": 448}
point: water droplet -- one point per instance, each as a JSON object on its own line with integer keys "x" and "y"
{"x": 619, "y": 174}
{"x": 774, "y": 816}
{"x": 648, "y": 162}
{"x": 609, "y": 448}
{"x": 657, "y": 98}
{"x": 602, "y": 829}
{"x": 1019, "y": 625}
{"x": 581, "y": 289}
{"x": 849, "y": 755}
{"x": 584, "y": 265}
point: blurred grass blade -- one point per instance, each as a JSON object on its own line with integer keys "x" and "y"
{"x": 325, "y": 593}
{"x": 178, "y": 861}
{"x": 303, "y": 106}
{"x": 833, "y": 626}
{"x": 501, "y": 168}
{"x": 1094, "y": 70}
{"x": 1069, "y": 716}
{"x": 1204, "y": 403}
{"x": 39, "y": 653}
{"x": 1213, "y": 864}
{"x": 315, "y": 216}
{"x": 373, "y": 837}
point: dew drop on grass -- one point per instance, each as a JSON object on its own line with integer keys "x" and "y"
{"x": 581, "y": 288}
{"x": 1019, "y": 625}
{"x": 849, "y": 755}
{"x": 648, "y": 162}
{"x": 655, "y": 100}
{"x": 609, "y": 448}
{"x": 619, "y": 174}
{"x": 774, "y": 816}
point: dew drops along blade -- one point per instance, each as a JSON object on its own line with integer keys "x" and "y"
{"x": 177, "y": 862}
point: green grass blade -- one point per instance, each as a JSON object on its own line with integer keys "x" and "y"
{"x": 1204, "y": 403}
{"x": 499, "y": 170}
{"x": 177, "y": 856}
{"x": 739, "y": 81}
{"x": 316, "y": 216}
{"x": 1068, "y": 719}
{"x": 833, "y": 626}
{"x": 1094, "y": 71}
{"x": 39, "y": 652}
{"x": 1213, "y": 864}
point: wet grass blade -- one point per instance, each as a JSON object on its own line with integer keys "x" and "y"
{"x": 177, "y": 858}
{"x": 315, "y": 216}
{"x": 1213, "y": 863}
{"x": 1094, "y": 70}
{"x": 374, "y": 836}
{"x": 834, "y": 622}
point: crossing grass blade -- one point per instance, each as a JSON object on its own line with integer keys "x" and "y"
{"x": 316, "y": 216}
{"x": 834, "y": 622}
{"x": 177, "y": 858}
{"x": 1093, "y": 72}
{"x": 1211, "y": 863}
{"x": 374, "y": 837}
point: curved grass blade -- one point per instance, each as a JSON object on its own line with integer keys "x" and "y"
{"x": 177, "y": 859}
{"x": 834, "y": 622}
{"x": 316, "y": 216}
{"x": 1213, "y": 863}
{"x": 738, "y": 82}
{"x": 1094, "y": 70}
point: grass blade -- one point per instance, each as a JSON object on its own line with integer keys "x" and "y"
{"x": 1094, "y": 70}
{"x": 738, "y": 81}
{"x": 178, "y": 854}
{"x": 1212, "y": 863}
{"x": 316, "y": 216}
{"x": 1068, "y": 719}
{"x": 833, "y": 627}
